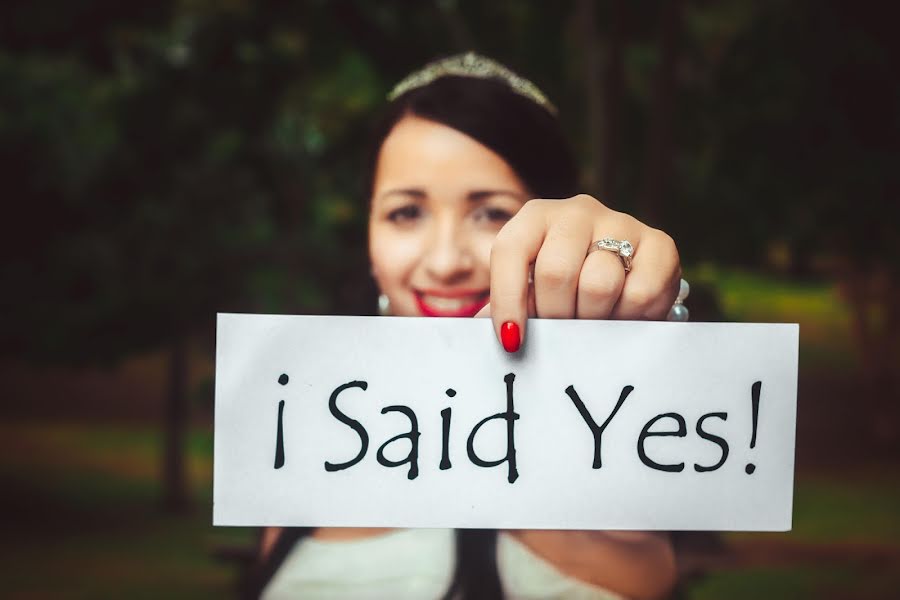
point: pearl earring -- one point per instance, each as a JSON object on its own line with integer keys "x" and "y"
{"x": 679, "y": 312}
{"x": 384, "y": 305}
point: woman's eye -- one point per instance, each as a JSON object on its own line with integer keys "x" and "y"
{"x": 494, "y": 215}
{"x": 404, "y": 214}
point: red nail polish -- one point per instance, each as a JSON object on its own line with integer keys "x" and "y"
{"x": 509, "y": 336}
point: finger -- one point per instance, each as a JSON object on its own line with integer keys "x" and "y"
{"x": 484, "y": 312}
{"x": 599, "y": 285}
{"x": 659, "y": 311}
{"x": 515, "y": 248}
{"x": 532, "y": 308}
{"x": 651, "y": 286}
{"x": 532, "y": 311}
{"x": 558, "y": 267}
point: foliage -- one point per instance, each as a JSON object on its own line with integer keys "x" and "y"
{"x": 90, "y": 488}
{"x": 164, "y": 163}
{"x": 791, "y": 131}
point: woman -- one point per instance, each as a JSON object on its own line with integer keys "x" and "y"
{"x": 474, "y": 212}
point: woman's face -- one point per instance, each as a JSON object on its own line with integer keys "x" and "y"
{"x": 439, "y": 198}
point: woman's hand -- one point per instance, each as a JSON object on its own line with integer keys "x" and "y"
{"x": 554, "y": 236}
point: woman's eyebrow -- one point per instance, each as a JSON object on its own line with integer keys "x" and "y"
{"x": 417, "y": 193}
{"x": 480, "y": 195}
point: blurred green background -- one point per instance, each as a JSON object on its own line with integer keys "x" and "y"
{"x": 164, "y": 161}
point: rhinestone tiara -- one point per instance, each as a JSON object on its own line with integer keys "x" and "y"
{"x": 471, "y": 65}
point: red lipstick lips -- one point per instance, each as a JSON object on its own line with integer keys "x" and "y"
{"x": 456, "y": 303}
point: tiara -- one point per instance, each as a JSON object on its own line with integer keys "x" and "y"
{"x": 471, "y": 65}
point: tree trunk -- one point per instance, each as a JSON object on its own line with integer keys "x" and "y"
{"x": 658, "y": 161}
{"x": 603, "y": 76}
{"x": 873, "y": 296}
{"x": 591, "y": 74}
{"x": 175, "y": 421}
{"x": 613, "y": 85}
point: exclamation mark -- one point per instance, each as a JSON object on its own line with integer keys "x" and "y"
{"x": 279, "y": 433}
{"x": 754, "y": 398}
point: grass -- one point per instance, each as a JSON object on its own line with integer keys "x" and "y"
{"x": 826, "y": 340}
{"x": 772, "y": 584}
{"x": 848, "y": 509}
{"x": 84, "y": 498}
{"x": 87, "y": 500}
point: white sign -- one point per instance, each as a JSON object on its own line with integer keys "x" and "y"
{"x": 428, "y": 422}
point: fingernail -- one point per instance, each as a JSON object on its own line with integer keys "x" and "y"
{"x": 509, "y": 336}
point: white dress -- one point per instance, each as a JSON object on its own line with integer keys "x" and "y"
{"x": 413, "y": 564}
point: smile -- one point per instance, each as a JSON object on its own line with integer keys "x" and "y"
{"x": 463, "y": 303}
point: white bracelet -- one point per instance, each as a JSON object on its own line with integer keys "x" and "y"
{"x": 679, "y": 312}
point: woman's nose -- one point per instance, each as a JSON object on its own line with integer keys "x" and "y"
{"x": 449, "y": 257}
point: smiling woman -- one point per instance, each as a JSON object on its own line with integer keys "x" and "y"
{"x": 473, "y": 212}
{"x": 438, "y": 200}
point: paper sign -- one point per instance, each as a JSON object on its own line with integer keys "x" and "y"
{"x": 427, "y": 422}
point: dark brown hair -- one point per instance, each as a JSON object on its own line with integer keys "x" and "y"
{"x": 525, "y": 134}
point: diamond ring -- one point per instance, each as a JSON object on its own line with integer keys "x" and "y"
{"x": 622, "y": 248}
